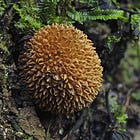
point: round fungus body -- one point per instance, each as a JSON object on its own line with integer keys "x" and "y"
{"x": 61, "y": 69}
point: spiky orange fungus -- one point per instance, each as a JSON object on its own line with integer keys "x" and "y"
{"x": 61, "y": 69}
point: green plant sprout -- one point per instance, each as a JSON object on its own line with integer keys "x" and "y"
{"x": 118, "y": 114}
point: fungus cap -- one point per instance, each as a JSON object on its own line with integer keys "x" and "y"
{"x": 61, "y": 69}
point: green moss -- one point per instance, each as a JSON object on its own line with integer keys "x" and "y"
{"x": 112, "y": 39}
{"x": 118, "y": 114}
{"x": 135, "y": 24}
{"x": 135, "y": 21}
{"x": 2, "y": 7}
{"x": 3, "y": 47}
{"x": 33, "y": 16}
{"x": 28, "y": 13}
